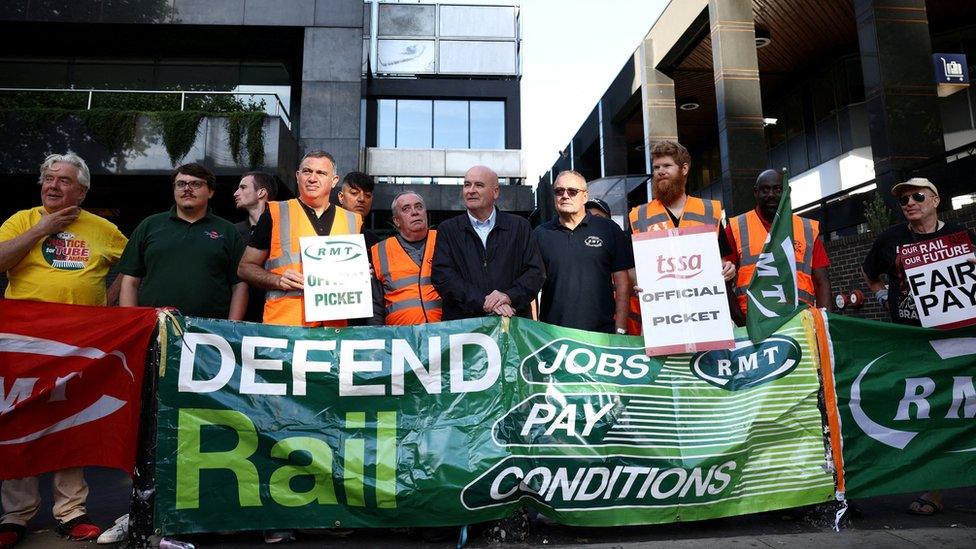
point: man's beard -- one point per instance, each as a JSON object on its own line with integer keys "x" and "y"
{"x": 668, "y": 190}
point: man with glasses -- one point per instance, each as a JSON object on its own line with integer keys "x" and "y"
{"x": 486, "y": 261}
{"x": 919, "y": 200}
{"x": 587, "y": 258}
{"x": 748, "y": 236}
{"x": 272, "y": 261}
{"x": 187, "y": 257}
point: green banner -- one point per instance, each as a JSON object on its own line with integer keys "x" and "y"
{"x": 907, "y": 402}
{"x": 266, "y": 427}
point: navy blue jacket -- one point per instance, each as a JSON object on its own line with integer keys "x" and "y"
{"x": 465, "y": 271}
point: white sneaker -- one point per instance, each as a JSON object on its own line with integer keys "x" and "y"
{"x": 117, "y": 532}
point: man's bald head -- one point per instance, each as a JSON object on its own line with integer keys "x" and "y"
{"x": 480, "y": 191}
{"x": 768, "y": 191}
{"x": 483, "y": 174}
{"x": 770, "y": 176}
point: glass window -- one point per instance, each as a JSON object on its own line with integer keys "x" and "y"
{"x": 386, "y": 123}
{"x": 413, "y": 124}
{"x": 450, "y": 124}
{"x": 487, "y": 124}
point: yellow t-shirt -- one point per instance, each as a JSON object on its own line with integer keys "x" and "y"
{"x": 67, "y": 267}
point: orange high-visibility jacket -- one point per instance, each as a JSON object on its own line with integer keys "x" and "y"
{"x": 654, "y": 217}
{"x": 409, "y": 296}
{"x": 634, "y": 321}
{"x": 289, "y": 223}
{"x": 750, "y": 236}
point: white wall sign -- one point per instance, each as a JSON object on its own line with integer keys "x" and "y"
{"x": 942, "y": 280}
{"x": 684, "y": 304}
{"x": 337, "y": 281}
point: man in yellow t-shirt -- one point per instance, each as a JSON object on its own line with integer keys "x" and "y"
{"x": 61, "y": 254}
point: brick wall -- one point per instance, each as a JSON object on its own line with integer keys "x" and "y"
{"x": 847, "y": 254}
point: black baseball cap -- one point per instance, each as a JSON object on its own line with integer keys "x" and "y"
{"x": 599, "y": 204}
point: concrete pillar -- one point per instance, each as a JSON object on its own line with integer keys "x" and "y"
{"x": 331, "y": 93}
{"x": 657, "y": 97}
{"x": 738, "y": 100}
{"x": 899, "y": 89}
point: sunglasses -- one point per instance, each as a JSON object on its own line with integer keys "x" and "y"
{"x": 567, "y": 191}
{"x": 919, "y": 197}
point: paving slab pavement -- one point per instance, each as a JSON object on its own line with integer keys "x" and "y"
{"x": 874, "y": 523}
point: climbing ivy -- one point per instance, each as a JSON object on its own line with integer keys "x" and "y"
{"x": 111, "y": 120}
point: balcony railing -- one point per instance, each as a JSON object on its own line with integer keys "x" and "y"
{"x": 88, "y": 99}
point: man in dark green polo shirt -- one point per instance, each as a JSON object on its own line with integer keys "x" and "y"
{"x": 187, "y": 257}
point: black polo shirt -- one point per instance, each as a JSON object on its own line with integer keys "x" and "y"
{"x": 578, "y": 292}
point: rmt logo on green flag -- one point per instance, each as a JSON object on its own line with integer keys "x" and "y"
{"x": 772, "y": 291}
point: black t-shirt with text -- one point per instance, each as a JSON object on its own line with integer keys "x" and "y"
{"x": 883, "y": 259}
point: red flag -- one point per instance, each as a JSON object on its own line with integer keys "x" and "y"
{"x": 70, "y": 385}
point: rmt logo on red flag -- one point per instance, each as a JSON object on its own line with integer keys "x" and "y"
{"x": 70, "y": 385}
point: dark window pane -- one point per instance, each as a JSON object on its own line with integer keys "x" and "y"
{"x": 386, "y": 123}
{"x": 798, "y": 153}
{"x": 487, "y": 124}
{"x": 450, "y": 124}
{"x": 413, "y": 127}
{"x": 828, "y": 138}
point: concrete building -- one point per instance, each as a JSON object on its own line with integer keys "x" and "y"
{"x": 413, "y": 93}
{"x": 843, "y": 93}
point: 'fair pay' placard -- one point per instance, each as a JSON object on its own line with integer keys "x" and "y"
{"x": 942, "y": 280}
{"x": 337, "y": 280}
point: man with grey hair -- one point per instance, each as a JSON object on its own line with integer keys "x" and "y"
{"x": 486, "y": 262}
{"x": 272, "y": 261}
{"x": 402, "y": 290}
{"x": 57, "y": 253}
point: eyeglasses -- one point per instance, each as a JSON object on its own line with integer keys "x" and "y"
{"x": 195, "y": 184}
{"x": 567, "y": 191}
{"x": 919, "y": 197}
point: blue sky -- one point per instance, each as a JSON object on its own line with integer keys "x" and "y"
{"x": 571, "y": 50}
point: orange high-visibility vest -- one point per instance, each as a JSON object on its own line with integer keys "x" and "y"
{"x": 409, "y": 296}
{"x": 634, "y": 322}
{"x": 654, "y": 217}
{"x": 750, "y": 236}
{"x": 289, "y": 223}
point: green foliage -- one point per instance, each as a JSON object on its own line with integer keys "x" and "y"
{"x": 112, "y": 129}
{"x": 877, "y": 214}
{"x": 245, "y": 130}
{"x": 111, "y": 119}
{"x": 179, "y": 132}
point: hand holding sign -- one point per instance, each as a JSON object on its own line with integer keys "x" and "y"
{"x": 291, "y": 280}
{"x": 941, "y": 277}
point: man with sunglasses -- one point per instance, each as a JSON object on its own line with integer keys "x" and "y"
{"x": 186, "y": 257}
{"x": 919, "y": 200}
{"x": 587, "y": 258}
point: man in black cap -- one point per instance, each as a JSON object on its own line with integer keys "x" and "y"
{"x": 598, "y": 207}
{"x": 587, "y": 258}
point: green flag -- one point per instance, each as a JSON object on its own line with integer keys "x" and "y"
{"x": 772, "y": 292}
